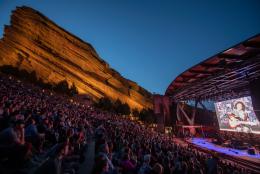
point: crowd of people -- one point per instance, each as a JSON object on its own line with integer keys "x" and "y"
{"x": 40, "y": 131}
{"x": 44, "y": 132}
{"x": 126, "y": 147}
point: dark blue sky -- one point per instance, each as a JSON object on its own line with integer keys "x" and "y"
{"x": 148, "y": 41}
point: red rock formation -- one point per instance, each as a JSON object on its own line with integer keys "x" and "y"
{"x": 35, "y": 43}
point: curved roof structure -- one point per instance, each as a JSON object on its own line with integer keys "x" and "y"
{"x": 228, "y": 72}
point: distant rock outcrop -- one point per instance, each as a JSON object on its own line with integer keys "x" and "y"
{"x": 35, "y": 43}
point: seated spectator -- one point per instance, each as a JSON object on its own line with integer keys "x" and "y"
{"x": 33, "y": 136}
{"x": 12, "y": 144}
{"x": 145, "y": 168}
{"x": 101, "y": 166}
{"x": 157, "y": 169}
{"x": 104, "y": 152}
{"x": 13, "y": 135}
{"x": 127, "y": 165}
{"x": 53, "y": 165}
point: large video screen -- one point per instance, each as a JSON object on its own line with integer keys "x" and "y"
{"x": 237, "y": 115}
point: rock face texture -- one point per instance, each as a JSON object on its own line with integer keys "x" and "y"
{"x": 35, "y": 43}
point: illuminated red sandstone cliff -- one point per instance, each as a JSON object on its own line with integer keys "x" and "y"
{"x": 35, "y": 43}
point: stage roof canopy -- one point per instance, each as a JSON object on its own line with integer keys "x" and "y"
{"x": 224, "y": 74}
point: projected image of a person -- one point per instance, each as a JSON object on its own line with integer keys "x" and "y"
{"x": 240, "y": 111}
{"x": 237, "y": 115}
{"x": 241, "y": 118}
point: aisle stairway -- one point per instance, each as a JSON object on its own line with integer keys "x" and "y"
{"x": 87, "y": 165}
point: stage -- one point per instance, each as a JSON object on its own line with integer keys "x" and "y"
{"x": 240, "y": 156}
{"x": 205, "y": 143}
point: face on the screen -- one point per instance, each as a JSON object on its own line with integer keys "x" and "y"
{"x": 239, "y": 106}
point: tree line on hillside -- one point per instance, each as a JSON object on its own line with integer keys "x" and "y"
{"x": 61, "y": 87}
{"x": 120, "y": 108}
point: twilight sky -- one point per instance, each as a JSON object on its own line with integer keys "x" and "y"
{"x": 150, "y": 41}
